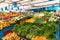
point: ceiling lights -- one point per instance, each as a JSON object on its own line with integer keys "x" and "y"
{"x": 14, "y": 0}
{"x": 5, "y": 4}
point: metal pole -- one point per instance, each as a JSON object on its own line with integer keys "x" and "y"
{"x": 58, "y": 32}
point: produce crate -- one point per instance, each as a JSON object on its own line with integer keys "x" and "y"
{"x": 11, "y": 26}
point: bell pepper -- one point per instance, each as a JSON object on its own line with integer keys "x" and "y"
{"x": 7, "y": 32}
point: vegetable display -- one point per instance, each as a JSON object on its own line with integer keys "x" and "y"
{"x": 10, "y": 18}
{"x": 42, "y": 26}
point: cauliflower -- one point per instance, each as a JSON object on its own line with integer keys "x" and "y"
{"x": 40, "y": 15}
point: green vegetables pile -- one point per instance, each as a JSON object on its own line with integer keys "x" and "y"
{"x": 38, "y": 28}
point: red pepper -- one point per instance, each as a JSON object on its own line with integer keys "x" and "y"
{"x": 7, "y": 32}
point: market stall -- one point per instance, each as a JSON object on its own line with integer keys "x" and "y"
{"x": 25, "y": 22}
